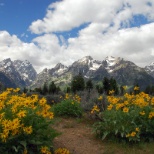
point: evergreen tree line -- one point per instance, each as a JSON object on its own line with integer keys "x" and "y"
{"x": 47, "y": 88}
{"x": 78, "y": 83}
{"x": 108, "y": 86}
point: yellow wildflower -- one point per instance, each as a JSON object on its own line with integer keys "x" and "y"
{"x": 125, "y": 109}
{"x": 16, "y": 90}
{"x": 62, "y": 151}
{"x": 50, "y": 115}
{"x": 127, "y": 135}
{"x": 137, "y": 129}
{"x": 124, "y": 87}
{"x": 151, "y": 115}
{"x": 15, "y": 124}
{"x": 42, "y": 101}
{"x": 45, "y": 150}
{"x": 1, "y": 116}
{"x": 142, "y": 113}
{"x": 100, "y": 98}
{"x": 109, "y": 107}
{"x": 15, "y": 131}
{"x": 95, "y": 108}
{"x": 111, "y": 92}
{"x": 4, "y": 135}
{"x": 25, "y": 151}
{"x": 136, "y": 88}
{"x": 67, "y": 96}
{"x": 133, "y": 134}
{"x": 2, "y": 105}
{"x": 28, "y": 130}
{"x": 21, "y": 114}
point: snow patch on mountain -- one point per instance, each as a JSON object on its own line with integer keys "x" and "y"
{"x": 86, "y": 59}
{"x": 60, "y": 68}
{"x": 110, "y": 63}
{"x": 150, "y": 69}
{"x": 95, "y": 65}
{"x": 25, "y": 69}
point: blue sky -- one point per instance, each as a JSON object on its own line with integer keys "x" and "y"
{"x": 17, "y": 15}
{"x": 47, "y": 32}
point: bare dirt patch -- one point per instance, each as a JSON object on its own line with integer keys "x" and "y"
{"x": 77, "y": 137}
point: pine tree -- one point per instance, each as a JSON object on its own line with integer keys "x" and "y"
{"x": 52, "y": 88}
{"x": 114, "y": 86}
{"x": 106, "y": 85}
{"x": 89, "y": 85}
{"x": 45, "y": 89}
{"x": 25, "y": 90}
{"x": 99, "y": 89}
{"x": 58, "y": 89}
{"x": 78, "y": 83}
{"x": 68, "y": 89}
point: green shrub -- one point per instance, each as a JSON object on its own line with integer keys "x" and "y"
{"x": 129, "y": 118}
{"x": 54, "y": 99}
{"x": 25, "y": 124}
{"x": 70, "y": 106}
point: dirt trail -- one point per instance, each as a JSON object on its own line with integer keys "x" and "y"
{"x": 77, "y": 137}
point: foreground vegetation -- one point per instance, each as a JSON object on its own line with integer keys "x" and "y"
{"x": 26, "y": 119}
{"x": 128, "y": 117}
{"x": 25, "y": 124}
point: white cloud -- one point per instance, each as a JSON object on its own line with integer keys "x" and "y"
{"x": 42, "y": 52}
{"x": 67, "y": 14}
{"x": 134, "y": 44}
{"x": 12, "y": 47}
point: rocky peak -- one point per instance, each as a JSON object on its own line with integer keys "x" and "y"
{"x": 6, "y": 66}
{"x": 150, "y": 69}
{"x": 26, "y": 70}
{"x": 84, "y": 61}
{"x": 110, "y": 63}
{"x": 60, "y": 66}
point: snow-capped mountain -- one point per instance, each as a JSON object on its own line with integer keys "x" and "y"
{"x": 58, "y": 69}
{"x": 7, "y": 67}
{"x": 26, "y": 70}
{"x": 63, "y": 74}
{"x": 50, "y": 75}
{"x": 125, "y": 72}
{"x": 19, "y": 72}
{"x": 150, "y": 69}
{"x": 110, "y": 63}
{"x": 86, "y": 65}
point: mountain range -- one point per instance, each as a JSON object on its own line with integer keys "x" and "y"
{"x": 17, "y": 73}
{"x": 22, "y": 74}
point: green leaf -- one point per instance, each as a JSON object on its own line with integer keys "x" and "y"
{"x": 104, "y": 136}
{"x": 122, "y": 134}
{"x": 116, "y": 131}
{"x": 24, "y": 143}
{"x": 123, "y": 128}
{"x": 35, "y": 142}
{"x": 16, "y": 149}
